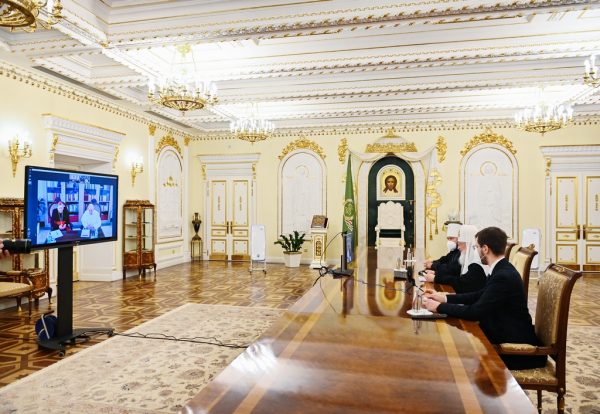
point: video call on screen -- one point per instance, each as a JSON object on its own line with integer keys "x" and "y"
{"x": 64, "y": 207}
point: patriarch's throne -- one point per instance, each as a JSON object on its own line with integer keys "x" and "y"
{"x": 390, "y": 225}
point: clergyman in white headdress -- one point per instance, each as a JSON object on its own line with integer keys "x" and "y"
{"x": 472, "y": 275}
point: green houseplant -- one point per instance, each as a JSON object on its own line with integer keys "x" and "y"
{"x": 292, "y": 245}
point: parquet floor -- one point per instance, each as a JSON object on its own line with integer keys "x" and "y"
{"x": 126, "y": 304}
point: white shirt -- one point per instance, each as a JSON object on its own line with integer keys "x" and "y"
{"x": 494, "y": 265}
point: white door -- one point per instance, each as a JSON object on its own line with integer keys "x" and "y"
{"x": 230, "y": 204}
{"x": 577, "y": 220}
{"x": 229, "y": 225}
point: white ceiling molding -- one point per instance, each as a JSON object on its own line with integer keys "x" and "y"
{"x": 325, "y": 65}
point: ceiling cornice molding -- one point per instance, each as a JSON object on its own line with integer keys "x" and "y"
{"x": 382, "y": 128}
{"x": 331, "y": 21}
{"x": 20, "y": 75}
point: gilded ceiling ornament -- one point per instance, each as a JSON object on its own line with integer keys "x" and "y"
{"x": 302, "y": 143}
{"x": 342, "y": 149}
{"x": 151, "y": 129}
{"x": 168, "y": 141}
{"x": 441, "y": 149}
{"x": 488, "y": 137}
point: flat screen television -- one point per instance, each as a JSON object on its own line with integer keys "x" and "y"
{"x": 64, "y": 207}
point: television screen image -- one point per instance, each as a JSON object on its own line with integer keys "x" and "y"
{"x": 64, "y": 207}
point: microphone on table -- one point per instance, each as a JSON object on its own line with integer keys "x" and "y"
{"x": 17, "y": 246}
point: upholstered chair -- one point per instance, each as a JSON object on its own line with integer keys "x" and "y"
{"x": 521, "y": 260}
{"x": 551, "y": 320}
{"x": 11, "y": 286}
{"x": 508, "y": 250}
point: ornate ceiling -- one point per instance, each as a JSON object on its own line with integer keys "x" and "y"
{"x": 325, "y": 63}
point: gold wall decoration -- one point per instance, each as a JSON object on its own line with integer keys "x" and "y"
{"x": 168, "y": 141}
{"x": 170, "y": 182}
{"x": 488, "y": 137}
{"x": 203, "y": 168}
{"x": 186, "y": 140}
{"x": 548, "y": 165}
{"x": 342, "y": 149}
{"x": 114, "y": 164}
{"x": 53, "y": 147}
{"x": 302, "y": 143}
{"x": 434, "y": 200}
{"x": 441, "y": 149}
{"x": 386, "y": 148}
{"x": 151, "y": 129}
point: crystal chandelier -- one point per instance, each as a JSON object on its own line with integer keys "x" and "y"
{"x": 182, "y": 91}
{"x": 590, "y": 76}
{"x": 252, "y": 128}
{"x": 544, "y": 118}
{"x": 23, "y": 14}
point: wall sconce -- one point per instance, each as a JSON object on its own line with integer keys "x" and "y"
{"x": 137, "y": 167}
{"x": 18, "y": 150}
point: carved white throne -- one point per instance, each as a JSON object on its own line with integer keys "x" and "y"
{"x": 390, "y": 225}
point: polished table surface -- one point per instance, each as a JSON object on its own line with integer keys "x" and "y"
{"x": 348, "y": 346}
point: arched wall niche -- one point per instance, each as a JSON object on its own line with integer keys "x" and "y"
{"x": 489, "y": 179}
{"x": 302, "y": 190}
{"x": 169, "y": 194}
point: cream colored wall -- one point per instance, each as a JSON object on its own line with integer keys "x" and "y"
{"x": 23, "y": 113}
{"x": 529, "y": 158}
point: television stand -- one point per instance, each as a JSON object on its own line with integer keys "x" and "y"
{"x": 65, "y": 334}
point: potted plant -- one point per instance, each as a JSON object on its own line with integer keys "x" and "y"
{"x": 292, "y": 243}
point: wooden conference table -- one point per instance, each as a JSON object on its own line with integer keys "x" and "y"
{"x": 348, "y": 346}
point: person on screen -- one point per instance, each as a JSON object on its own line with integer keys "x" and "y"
{"x": 500, "y": 307}
{"x": 472, "y": 276}
{"x": 90, "y": 219}
{"x": 60, "y": 218}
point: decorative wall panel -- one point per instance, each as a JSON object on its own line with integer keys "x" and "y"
{"x": 169, "y": 189}
{"x": 302, "y": 190}
{"x": 489, "y": 188}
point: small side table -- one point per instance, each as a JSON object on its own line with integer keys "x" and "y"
{"x": 196, "y": 248}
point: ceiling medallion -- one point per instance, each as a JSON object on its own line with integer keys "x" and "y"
{"x": 23, "y": 14}
{"x": 252, "y": 128}
{"x": 181, "y": 90}
{"x": 544, "y": 118}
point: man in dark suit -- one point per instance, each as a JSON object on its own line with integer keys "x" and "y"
{"x": 500, "y": 307}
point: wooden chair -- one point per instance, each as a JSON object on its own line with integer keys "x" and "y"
{"x": 11, "y": 286}
{"x": 551, "y": 320}
{"x": 521, "y": 260}
{"x": 509, "y": 248}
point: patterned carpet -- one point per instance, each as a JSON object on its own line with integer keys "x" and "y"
{"x": 135, "y": 375}
{"x": 583, "y": 374}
